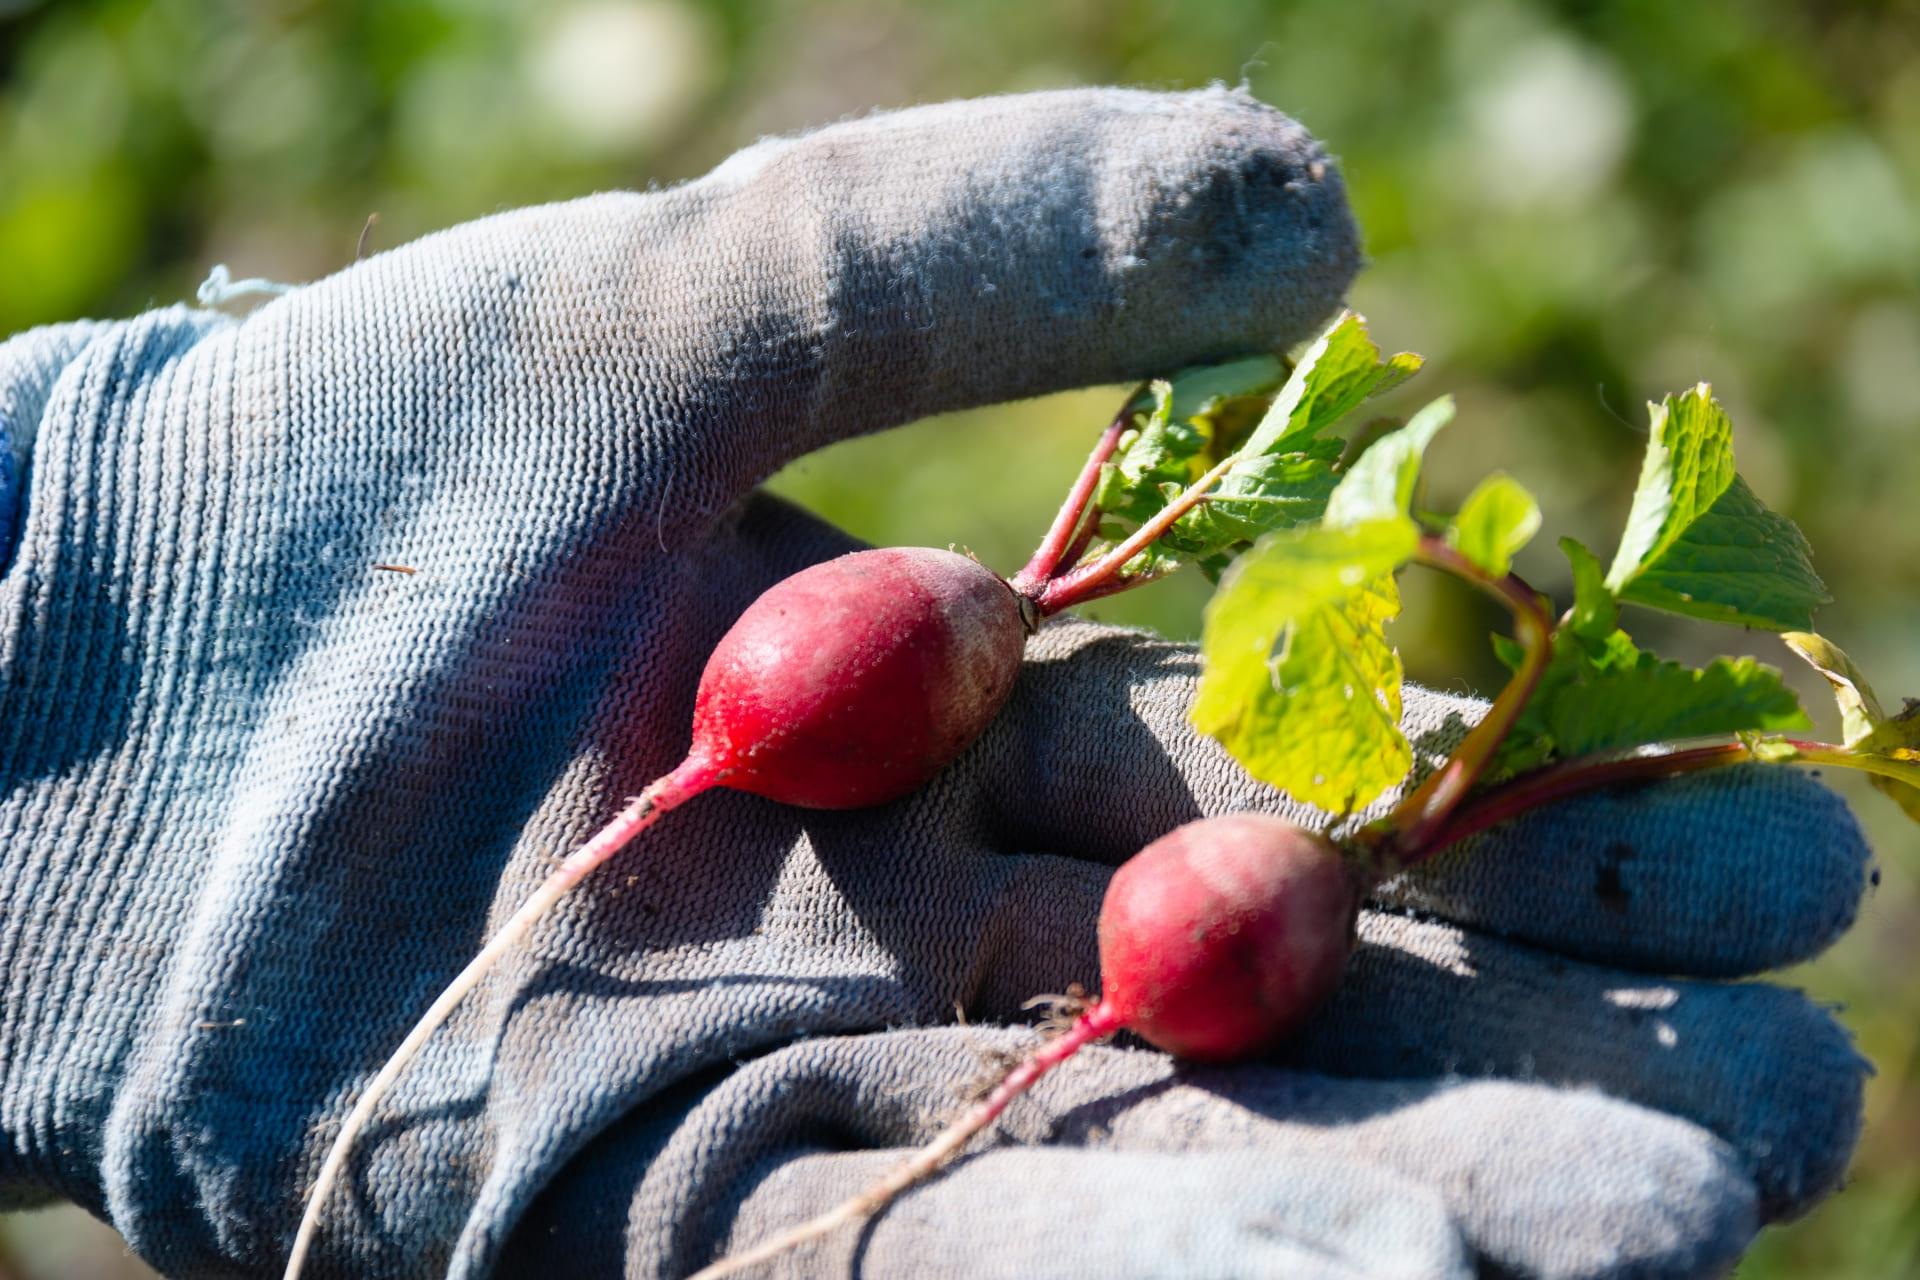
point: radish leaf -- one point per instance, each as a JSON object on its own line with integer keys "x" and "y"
{"x": 1282, "y": 471}
{"x": 1300, "y": 682}
{"x": 1860, "y": 713}
{"x": 1865, "y": 727}
{"x": 1606, "y": 695}
{"x": 1258, "y": 496}
{"x": 1380, "y": 483}
{"x": 1594, "y": 611}
{"x": 1156, "y": 461}
{"x": 1204, "y": 391}
{"x": 1334, "y": 375}
{"x": 1498, "y": 518}
{"x": 1698, "y": 542}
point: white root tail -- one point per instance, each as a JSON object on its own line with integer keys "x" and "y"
{"x": 680, "y": 785}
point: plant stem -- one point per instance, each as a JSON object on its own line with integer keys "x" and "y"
{"x": 1406, "y": 837}
{"x": 1081, "y": 540}
{"x": 1557, "y": 782}
{"x": 1902, "y": 765}
{"x": 1096, "y": 1023}
{"x": 1086, "y": 583}
{"x": 1569, "y": 778}
{"x": 1060, "y": 538}
{"x": 1114, "y": 586}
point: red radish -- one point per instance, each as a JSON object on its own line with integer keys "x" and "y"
{"x": 1216, "y": 941}
{"x": 855, "y": 681}
{"x": 847, "y": 684}
{"x": 1220, "y": 938}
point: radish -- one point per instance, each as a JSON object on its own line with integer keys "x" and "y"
{"x": 853, "y": 682}
{"x": 1221, "y": 938}
{"x": 1216, "y": 941}
{"x": 848, "y": 684}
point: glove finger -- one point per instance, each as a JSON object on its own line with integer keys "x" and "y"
{"x": 857, "y": 277}
{"x": 1761, "y": 1066}
{"x": 1771, "y": 1073}
{"x": 1377, "y": 1175}
{"x": 1094, "y": 756}
{"x": 1746, "y": 869}
{"x": 1540, "y": 1181}
{"x": 983, "y": 251}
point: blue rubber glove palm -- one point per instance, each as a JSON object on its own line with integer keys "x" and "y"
{"x": 260, "y": 797}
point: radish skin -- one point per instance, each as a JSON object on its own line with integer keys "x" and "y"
{"x": 852, "y": 683}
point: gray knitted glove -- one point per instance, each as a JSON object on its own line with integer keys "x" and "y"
{"x": 260, "y": 798}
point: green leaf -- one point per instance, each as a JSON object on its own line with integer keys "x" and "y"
{"x": 1200, "y": 391}
{"x": 1152, "y": 561}
{"x": 1498, "y": 519}
{"x": 1594, "y": 612}
{"x": 1281, "y": 476}
{"x": 1508, "y": 650}
{"x": 1739, "y": 563}
{"x": 1698, "y": 541}
{"x": 1688, "y": 463}
{"x": 1865, "y": 727}
{"x": 1156, "y": 462}
{"x": 1363, "y": 438}
{"x": 1171, "y": 446}
{"x": 1860, "y": 712}
{"x": 1256, "y": 497}
{"x": 1300, "y": 682}
{"x": 1607, "y": 695}
{"x": 1338, "y": 371}
{"x": 1379, "y": 485}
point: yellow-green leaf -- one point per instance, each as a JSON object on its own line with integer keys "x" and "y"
{"x": 1300, "y": 682}
{"x": 1379, "y": 484}
{"x": 1865, "y": 727}
{"x": 1698, "y": 541}
{"x": 1338, "y": 370}
{"x": 1498, "y": 518}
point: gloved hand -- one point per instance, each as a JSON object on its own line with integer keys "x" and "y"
{"x": 260, "y": 798}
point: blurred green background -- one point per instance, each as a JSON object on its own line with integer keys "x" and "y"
{"x": 1570, "y": 208}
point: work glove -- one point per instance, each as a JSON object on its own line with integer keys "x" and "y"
{"x": 328, "y": 630}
